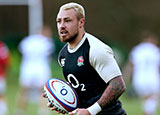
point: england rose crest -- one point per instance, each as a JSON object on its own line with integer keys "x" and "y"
{"x": 80, "y": 61}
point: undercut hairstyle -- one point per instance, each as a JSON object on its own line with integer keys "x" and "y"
{"x": 76, "y": 7}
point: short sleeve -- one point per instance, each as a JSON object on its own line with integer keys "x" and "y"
{"x": 102, "y": 59}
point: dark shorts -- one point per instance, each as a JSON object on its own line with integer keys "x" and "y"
{"x": 113, "y": 109}
{"x": 120, "y": 111}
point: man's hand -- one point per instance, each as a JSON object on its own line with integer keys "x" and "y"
{"x": 80, "y": 111}
{"x": 52, "y": 107}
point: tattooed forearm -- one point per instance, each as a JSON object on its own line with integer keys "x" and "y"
{"x": 113, "y": 91}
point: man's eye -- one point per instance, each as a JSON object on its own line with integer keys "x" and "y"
{"x": 58, "y": 21}
{"x": 68, "y": 20}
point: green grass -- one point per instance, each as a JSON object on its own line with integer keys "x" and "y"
{"x": 131, "y": 105}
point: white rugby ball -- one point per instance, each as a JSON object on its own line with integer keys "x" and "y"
{"x": 61, "y": 95}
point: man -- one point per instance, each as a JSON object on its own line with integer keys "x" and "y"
{"x": 4, "y": 65}
{"x": 35, "y": 69}
{"x": 143, "y": 66}
{"x": 88, "y": 65}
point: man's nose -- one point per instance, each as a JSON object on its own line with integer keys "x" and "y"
{"x": 62, "y": 25}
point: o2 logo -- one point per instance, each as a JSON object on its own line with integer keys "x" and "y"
{"x": 76, "y": 81}
{"x": 63, "y": 91}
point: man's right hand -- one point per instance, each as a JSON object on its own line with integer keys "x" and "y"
{"x": 52, "y": 107}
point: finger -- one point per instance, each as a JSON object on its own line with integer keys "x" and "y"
{"x": 50, "y": 105}
{"x": 56, "y": 109}
{"x": 70, "y": 113}
{"x": 58, "y": 112}
{"x": 53, "y": 108}
{"x": 73, "y": 112}
{"x": 43, "y": 95}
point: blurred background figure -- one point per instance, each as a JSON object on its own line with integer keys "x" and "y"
{"x": 35, "y": 69}
{"x": 4, "y": 64}
{"x": 143, "y": 66}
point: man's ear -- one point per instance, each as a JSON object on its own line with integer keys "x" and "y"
{"x": 81, "y": 22}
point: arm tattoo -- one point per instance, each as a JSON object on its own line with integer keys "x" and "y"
{"x": 113, "y": 91}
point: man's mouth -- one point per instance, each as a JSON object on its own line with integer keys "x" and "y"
{"x": 63, "y": 33}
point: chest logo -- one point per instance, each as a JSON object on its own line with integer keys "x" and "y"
{"x": 80, "y": 61}
{"x": 63, "y": 62}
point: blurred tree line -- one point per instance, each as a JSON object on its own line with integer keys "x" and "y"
{"x": 118, "y": 23}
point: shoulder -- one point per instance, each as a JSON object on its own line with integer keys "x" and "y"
{"x": 137, "y": 49}
{"x": 99, "y": 52}
{"x": 3, "y": 46}
{"x": 62, "y": 54}
{"x": 97, "y": 47}
{"x": 63, "y": 50}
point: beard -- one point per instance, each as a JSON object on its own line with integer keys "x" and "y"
{"x": 69, "y": 39}
{"x": 72, "y": 38}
